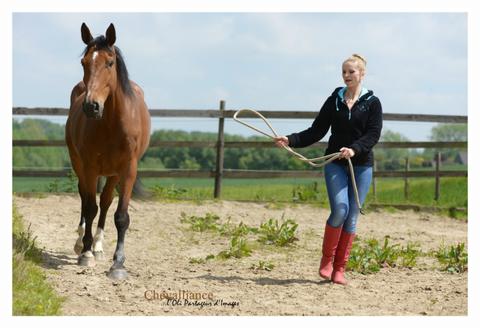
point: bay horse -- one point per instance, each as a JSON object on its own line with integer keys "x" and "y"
{"x": 107, "y": 132}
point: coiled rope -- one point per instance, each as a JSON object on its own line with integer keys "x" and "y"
{"x": 327, "y": 158}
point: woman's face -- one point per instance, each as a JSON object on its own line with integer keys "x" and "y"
{"x": 351, "y": 73}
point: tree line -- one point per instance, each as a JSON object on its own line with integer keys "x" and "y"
{"x": 234, "y": 158}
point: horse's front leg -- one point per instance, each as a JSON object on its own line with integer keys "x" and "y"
{"x": 122, "y": 221}
{"x": 81, "y": 226}
{"x": 105, "y": 200}
{"x": 89, "y": 210}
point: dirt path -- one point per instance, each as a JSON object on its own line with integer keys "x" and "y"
{"x": 159, "y": 247}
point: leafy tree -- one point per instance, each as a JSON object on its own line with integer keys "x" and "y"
{"x": 391, "y": 158}
{"x": 447, "y": 132}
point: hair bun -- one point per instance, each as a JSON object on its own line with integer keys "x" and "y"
{"x": 360, "y": 57}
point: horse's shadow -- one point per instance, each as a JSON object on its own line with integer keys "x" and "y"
{"x": 54, "y": 260}
{"x": 264, "y": 280}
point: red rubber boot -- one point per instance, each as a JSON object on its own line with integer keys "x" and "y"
{"x": 341, "y": 257}
{"x": 330, "y": 242}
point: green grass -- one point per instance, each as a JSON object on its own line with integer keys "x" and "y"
{"x": 31, "y": 293}
{"x": 453, "y": 191}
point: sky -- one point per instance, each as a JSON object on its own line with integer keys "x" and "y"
{"x": 416, "y": 62}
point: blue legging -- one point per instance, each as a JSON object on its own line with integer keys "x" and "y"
{"x": 344, "y": 209}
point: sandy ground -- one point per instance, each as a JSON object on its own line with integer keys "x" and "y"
{"x": 159, "y": 248}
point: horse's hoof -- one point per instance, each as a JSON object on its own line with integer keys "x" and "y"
{"x": 87, "y": 259}
{"x": 117, "y": 274}
{"x": 99, "y": 256}
{"x": 78, "y": 249}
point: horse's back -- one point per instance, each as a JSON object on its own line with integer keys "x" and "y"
{"x": 144, "y": 117}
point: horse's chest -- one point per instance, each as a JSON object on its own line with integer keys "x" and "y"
{"x": 110, "y": 158}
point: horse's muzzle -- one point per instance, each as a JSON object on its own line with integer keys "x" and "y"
{"x": 93, "y": 109}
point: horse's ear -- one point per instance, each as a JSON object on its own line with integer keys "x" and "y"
{"x": 86, "y": 35}
{"x": 111, "y": 36}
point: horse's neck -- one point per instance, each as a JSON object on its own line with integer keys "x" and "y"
{"x": 116, "y": 108}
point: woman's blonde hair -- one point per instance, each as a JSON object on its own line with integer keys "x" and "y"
{"x": 359, "y": 59}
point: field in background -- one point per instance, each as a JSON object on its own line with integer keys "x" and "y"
{"x": 306, "y": 190}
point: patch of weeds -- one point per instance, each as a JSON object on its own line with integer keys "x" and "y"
{"x": 54, "y": 186}
{"x": 305, "y": 193}
{"x": 238, "y": 248}
{"x": 262, "y": 266}
{"x": 455, "y": 213}
{"x": 271, "y": 232}
{"x": 171, "y": 192}
{"x": 24, "y": 243}
{"x": 61, "y": 185}
{"x": 409, "y": 254}
{"x": 31, "y": 293}
{"x": 201, "y": 260}
{"x": 229, "y": 229}
{"x": 369, "y": 256}
{"x": 200, "y": 224}
{"x": 453, "y": 258}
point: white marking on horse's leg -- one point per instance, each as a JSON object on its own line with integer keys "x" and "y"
{"x": 87, "y": 254}
{"x": 79, "y": 243}
{"x": 86, "y": 259}
{"x": 98, "y": 240}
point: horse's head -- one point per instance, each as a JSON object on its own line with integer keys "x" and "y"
{"x": 99, "y": 70}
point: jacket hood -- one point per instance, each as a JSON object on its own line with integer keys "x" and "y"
{"x": 365, "y": 94}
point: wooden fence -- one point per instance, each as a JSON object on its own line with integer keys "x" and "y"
{"x": 220, "y": 172}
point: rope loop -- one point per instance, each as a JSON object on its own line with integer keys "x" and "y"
{"x": 311, "y": 161}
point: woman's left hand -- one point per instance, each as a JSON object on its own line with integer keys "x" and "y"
{"x": 346, "y": 152}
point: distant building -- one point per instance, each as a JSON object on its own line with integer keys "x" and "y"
{"x": 462, "y": 157}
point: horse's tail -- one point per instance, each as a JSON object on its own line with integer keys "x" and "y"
{"x": 139, "y": 191}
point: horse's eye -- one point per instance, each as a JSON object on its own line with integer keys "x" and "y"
{"x": 110, "y": 63}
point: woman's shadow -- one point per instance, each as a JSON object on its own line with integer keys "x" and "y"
{"x": 264, "y": 280}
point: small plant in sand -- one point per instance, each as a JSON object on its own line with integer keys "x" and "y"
{"x": 409, "y": 254}
{"x": 454, "y": 258}
{"x": 229, "y": 229}
{"x": 201, "y": 223}
{"x": 271, "y": 232}
{"x": 201, "y": 260}
{"x": 238, "y": 248}
{"x": 262, "y": 266}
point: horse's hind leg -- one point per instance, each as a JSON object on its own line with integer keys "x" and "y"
{"x": 122, "y": 221}
{"x": 105, "y": 201}
{"x": 90, "y": 209}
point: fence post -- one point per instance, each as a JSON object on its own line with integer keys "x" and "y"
{"x": 220, "y": 148}
{"x": 407, "y": 168}
{"x": 374, "y": 181}
{"x": 438, "y": 159}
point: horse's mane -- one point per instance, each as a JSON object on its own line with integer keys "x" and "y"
{"x": 100, "y": 43}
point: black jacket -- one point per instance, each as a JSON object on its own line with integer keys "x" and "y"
{"x": 358, "y": 128}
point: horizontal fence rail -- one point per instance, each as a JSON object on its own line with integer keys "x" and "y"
{"x": 220, "y": 172}
{"x": 250, "y": 144}
{"x": 271, "y": 114}
{"x": 243, "y": 174}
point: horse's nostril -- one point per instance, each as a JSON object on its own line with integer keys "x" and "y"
{"x": 95, "y": 107}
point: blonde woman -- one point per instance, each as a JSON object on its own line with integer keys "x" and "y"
{"x": 354, "y": 116}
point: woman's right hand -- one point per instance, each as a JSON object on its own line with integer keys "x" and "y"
{"x": 281, "y": 141}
